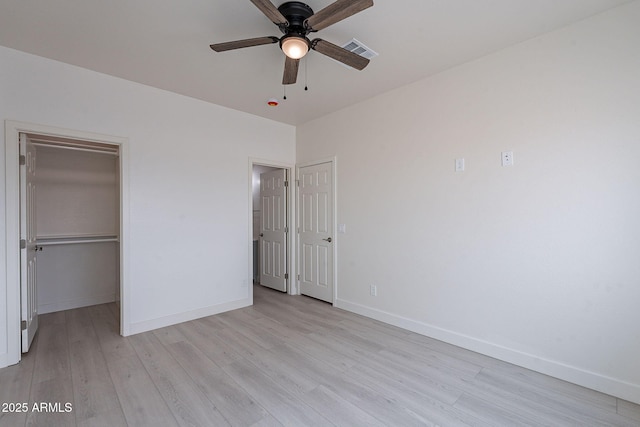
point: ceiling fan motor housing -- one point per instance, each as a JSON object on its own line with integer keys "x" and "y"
{"x": 296, "y": 13}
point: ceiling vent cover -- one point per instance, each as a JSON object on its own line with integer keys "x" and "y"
{"x": 359, "y": 48}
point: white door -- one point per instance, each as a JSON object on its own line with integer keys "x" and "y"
{"x": 28, "y": 248}
{"x": 315, "y": 207}
{"x": 273, "y": 229}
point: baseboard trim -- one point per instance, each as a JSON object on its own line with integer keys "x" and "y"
{"x": 612, "y": 386}
{"x": 174, "y": 319}
{"x": 75, "y": 303}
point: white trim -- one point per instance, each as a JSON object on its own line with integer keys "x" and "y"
{"x": 336, "y": 239}
{"x": 334, "y": 179}
{"x": 612, "y": 386}
{"x": 125, "y": 289}
{"x": 12, "y": 253}
{"x": 174, "y": 319}
{"x": 12, "y": 223}
{"x": 292, "y": 286}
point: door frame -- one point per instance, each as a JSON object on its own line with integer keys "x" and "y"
{"x": 292, "y": 285}
{"x": 334, "y": 166}
{"x": 12, "y": 223}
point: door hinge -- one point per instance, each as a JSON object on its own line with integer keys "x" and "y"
{"x": 23, "y": 244}
{"x": 23, "y": 325}
{"x": 286, "y": 183}
{"x": 298, "y": 277}
{"x": 286, "y": 229}
{"x": 22, "y": 160}
{"x": 286, "y": 276}
{"x": 298, "y": 182}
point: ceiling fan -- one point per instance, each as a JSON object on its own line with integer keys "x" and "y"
{"x": 296, "y": 20}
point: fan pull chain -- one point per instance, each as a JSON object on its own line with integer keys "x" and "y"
{"x": 305, "y": 74}
{"x": 284, "y": 92}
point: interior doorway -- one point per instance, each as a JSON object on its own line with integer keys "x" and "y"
{"x": 78, "y": 245}
{"x": 71, "y": 207}
{"x": 271, "y": 227}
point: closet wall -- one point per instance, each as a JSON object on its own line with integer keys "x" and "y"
{"x": 77, "y": 210}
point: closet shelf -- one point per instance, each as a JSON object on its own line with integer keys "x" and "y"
{"x": 91, "y": 148}
{"x": 73, "y": 240}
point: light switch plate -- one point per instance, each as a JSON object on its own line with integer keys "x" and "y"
{"x": 459, "y": 165}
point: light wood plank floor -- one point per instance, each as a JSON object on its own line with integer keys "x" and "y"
{"x": 287, "y": 360}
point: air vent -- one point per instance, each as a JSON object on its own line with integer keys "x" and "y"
{"x": 359, "y": 48}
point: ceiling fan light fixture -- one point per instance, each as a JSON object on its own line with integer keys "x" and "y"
{"x": 295, "y": 47}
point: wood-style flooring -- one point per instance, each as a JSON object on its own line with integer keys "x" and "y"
{"x": 287, "y": 360}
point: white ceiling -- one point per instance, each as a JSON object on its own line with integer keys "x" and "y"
{"x": 165, "y": 44}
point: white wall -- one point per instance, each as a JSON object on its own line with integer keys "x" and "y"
{"x": 77, "y": 196}
{"x": 188, "y": 181}
{"x": 77, "y": 275}
{"x": 538, "y": 263}
{"x": 77, "y": 193}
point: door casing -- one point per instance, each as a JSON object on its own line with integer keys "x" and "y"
{"x": 292, "y": 288}
{"x": 12, "y": 221}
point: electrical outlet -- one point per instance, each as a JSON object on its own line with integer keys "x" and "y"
{"x": 459, "y": 165}
{"x": 373, "y": 290}
{"x": 507, "y": 158}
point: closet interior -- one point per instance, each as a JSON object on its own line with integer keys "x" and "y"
{"x": 77, "y": 207}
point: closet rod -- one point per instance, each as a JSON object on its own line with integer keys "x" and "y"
{"x": 68, "y": 147}
{"x": 76, "y": 241}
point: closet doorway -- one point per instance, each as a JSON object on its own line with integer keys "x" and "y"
{"x": 71, "y": 221}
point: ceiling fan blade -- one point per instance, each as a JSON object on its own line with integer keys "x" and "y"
{"x": 238, "y": 44}
{"x": 290, "y": 71}
{"x": 339, "y": 54}
{"x": 335, "y": 12}
{"x": 270, "y": 11}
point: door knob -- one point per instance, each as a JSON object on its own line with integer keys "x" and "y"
{"x": 328, "y": 239}
{"x": 261, "y": 234}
